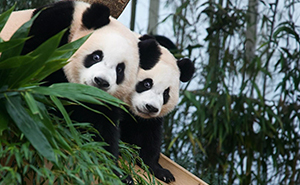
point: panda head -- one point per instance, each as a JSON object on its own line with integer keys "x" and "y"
{"x": 108, "y": 60}
{"x": 157, "y": 89}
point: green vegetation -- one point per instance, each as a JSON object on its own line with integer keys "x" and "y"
{"x": 238, "y": 123}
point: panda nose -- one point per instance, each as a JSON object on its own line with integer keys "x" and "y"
{"x": 101, "y": 82}
{"x": 151, "y": 108}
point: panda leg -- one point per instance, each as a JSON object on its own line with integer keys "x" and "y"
{"x": 110, "y": 133}
{"x": 147, "y": 134}
{"x": 150, "y": 151}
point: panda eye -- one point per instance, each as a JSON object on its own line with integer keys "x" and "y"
{"x": 147, "y": 84}
{"x": 120, "y": 68}
{"x": 166, "y": 95}
{"x": 120, "y": 72}
{"x": 144, "y": 85}
{"x": 96, "y": 58}
{"x": 93, "y": 58}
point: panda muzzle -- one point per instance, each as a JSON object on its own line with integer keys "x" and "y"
{"x": 101, "y": 83}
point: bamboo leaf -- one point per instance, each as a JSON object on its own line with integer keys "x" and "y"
{"x": 59, "y": 58}
{"x": 83, "y": 93}
{"x": 23, "y": 75}
{"x": 4, "y": 17}
{"x": 31, "y": 103}
{"x": 6, "y": 45}
{"x": 29, "y": 127}
{"x": 15, "y": 62}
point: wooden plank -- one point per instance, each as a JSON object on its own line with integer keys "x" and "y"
{"x": 182, "y": 176}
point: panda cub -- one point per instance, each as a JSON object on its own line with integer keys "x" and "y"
{"x": 108, "y": 60}
{"x": 156, "y": 94}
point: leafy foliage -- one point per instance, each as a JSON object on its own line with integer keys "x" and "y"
{"x": 36, "y": 145}
{"x": 240, "y": 123}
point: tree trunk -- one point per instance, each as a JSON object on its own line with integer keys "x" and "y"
{"x": 250, "y": 44}
{"x": 153, "y": 16}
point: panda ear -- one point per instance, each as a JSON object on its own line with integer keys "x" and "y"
{"x": 146, "y": 37}
{"x": 187, "y": 69}
{"x": 149, "y": 52}
{"x": 96, "y": 16}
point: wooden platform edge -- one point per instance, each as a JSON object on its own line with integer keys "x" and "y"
{"x": 182, "y": 176}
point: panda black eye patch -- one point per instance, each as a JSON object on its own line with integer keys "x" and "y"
{"x": 166, "y": 95}
{"x": 93, "y": 58}
{"x": 120, "y": 69}
{"x": 144, "y": 85}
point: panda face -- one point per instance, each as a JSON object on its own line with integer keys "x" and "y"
{"x": 108, "y": 60}
{"x": 157, "y": 90}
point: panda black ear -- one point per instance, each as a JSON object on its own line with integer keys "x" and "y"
{"x": 96, "y": 16}
{"x": 149, "y": 52}
{"x": 146, "y": 37}
{"x": 165, "y": 42}
{"x": 187, "y": 69}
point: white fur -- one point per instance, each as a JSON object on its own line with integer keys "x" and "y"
{"x": 118, "y": 44}
{"x": 164, "y": 74}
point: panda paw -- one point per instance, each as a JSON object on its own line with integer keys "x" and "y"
{"x": 164, "y": 175}
{"x": 127, "y": 180}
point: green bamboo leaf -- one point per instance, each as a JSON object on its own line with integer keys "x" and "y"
{"x": 6, "y": 45}
{"x": 287, "y": 30}
{"x": 4, "y": 118}
{"x": 83, "y": 93}
{"x": 60, "y": 58}
{"x": 49, "y": 68}
{"x": 15, "y": 62}
{"x": 67, "y": 50}
{"x": 31, "y": 103}
{"x": 61, "y": 108}
{"x": 23, "y": 75}
{"x": 29, "y": 127}
{"x": 21, "y": 33}
{"x": 4, "y": 17}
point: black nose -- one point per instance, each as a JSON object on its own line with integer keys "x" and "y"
{"x": 151, "y": 108}
{"x": 101, "y": 82}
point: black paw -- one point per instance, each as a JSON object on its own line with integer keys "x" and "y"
{"x": 164, "y": 175}
{"x": 127, "y": 180}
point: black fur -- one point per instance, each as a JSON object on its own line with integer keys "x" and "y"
{"x": 149, "y": 52}
{"x": 96, "y": 16}
{"x": 108, "y": 131}
{"x": 51, "y": 20}
{"x": 146, "y": 133}
{"x": 187, "y": 69}
{"x": 165, "y": 42}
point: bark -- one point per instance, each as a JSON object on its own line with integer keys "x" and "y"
{"x": 251, "y": 30}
